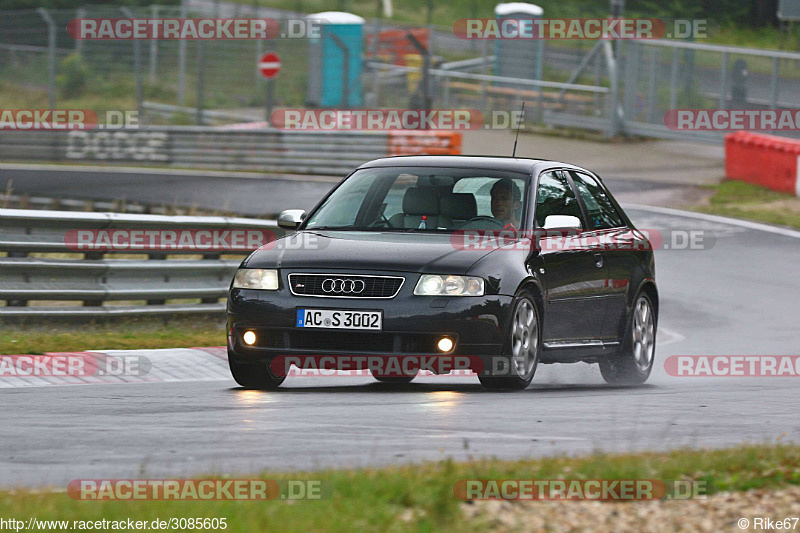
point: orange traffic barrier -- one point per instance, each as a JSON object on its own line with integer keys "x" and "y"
{"x": 424, "y": 143}
{"x": 765, "y": 160}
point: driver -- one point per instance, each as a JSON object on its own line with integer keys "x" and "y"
{"x": 506, "y": 199}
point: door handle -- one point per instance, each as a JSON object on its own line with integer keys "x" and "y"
{"x": 598, "y": 260}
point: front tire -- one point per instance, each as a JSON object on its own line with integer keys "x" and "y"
{"x": 635, "y": 361}
{"x": 257, "y": 376}
{"x": 523, "y": 346}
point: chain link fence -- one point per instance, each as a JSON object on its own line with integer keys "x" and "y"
{"x": 622, "y": 87}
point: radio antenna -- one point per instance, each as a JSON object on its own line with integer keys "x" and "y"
{"x": 521, "y": 115}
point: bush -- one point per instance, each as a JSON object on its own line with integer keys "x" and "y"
{"x": 74, "y": 76}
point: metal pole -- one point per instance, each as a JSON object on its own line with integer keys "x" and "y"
{"x": 346, "y": 68}
{"x": 51, "y": 56}
{"x": 270, "y": 97}
{"x": 426, "y": 67}
{"x": 774, "y": 84}
{"x": 153, "y": 49}
{"x": 723, "y": 82}
{"x": 81, "y": 13}
{"x": 137, "y": 66}
{"x": 182, "y": 64}
{"x": 673, "y": 80}
{"x": 200, "y": 70}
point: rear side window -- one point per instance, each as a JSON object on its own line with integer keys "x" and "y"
{"x": 601, "y": 212}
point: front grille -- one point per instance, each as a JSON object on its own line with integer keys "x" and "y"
{"x": 341, "y": 341}
{"x": 345, "y": 286}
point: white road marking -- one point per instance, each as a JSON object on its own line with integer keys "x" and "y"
{"x": 716, "y": 218}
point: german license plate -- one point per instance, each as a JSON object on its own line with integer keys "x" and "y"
{"x": 339, "y": 319}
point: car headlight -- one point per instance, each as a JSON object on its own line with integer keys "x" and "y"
{"x": 436, "y": 285}
{"x": 256, "y": 278}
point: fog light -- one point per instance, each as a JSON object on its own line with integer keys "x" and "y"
{"x": 445, "y": 344}
{"x": 249, "y": 338}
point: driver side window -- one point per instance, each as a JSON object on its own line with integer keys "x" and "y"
{"x": 555, "y": 197}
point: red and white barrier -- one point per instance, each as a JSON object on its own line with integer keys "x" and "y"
{"x": 765, "y": 160}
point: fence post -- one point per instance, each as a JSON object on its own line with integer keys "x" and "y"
{"x": 200, "y": 82}
{"x": 346, "y": 70}
{"x": 80, "y": 13}
{"x": 153, "y": 48}
{"x": 723, "y": 82}
{"x": 774, "y": 84}
{"x": 182, "y": 63}
{"x": 426, "y": 67}
{"x": 137, "y": 66}
{"x": 613, "y": 74}
{"x": 51, "y": 56}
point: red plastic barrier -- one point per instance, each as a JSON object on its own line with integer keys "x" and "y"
{"x": 424, "y": 143}
{"x": 764, "y": 160}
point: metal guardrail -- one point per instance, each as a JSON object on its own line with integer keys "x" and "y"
{"x": 268, "y": 150}
{"x": 92, "y": 281}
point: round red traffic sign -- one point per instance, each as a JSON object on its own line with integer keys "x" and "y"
{"x": 269, "y": 65}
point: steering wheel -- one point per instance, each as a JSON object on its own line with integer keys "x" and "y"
{"x": 381, "y": 223}
{"x": 480, "y": 222}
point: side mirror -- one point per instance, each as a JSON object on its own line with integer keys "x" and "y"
{"x": 564, "y": 222}
{"x": 291, "y": 218}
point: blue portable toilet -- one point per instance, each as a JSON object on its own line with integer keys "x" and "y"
{"x": 326, "y": 84}
{"x": 518, "y": 58}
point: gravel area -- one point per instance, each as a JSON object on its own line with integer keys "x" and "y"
{"x": 717, "y": 513}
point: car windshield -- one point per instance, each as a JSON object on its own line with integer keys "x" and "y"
{"x": 424, "y": 199}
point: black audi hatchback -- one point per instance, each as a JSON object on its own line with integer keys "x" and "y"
{"x": 511, "y": 262}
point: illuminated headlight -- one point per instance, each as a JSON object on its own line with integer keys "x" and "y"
{"x": 256, "y": 278}
{"x": 435, "y": 285}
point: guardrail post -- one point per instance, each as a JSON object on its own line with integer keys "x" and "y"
{"x": 51, "y": 56}
{"x": 156, "y": 257}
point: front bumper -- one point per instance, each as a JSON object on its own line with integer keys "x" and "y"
{"x": 411, "y": 324}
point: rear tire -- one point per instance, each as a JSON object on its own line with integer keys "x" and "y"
{"x": 523, "y": 346}
{"x": 635, "y": 361}
{"x": 257, "y": 376}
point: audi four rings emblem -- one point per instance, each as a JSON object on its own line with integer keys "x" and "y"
{"x": 343, "y": 286}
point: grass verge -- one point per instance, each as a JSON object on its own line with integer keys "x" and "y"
{"x": 420, "y": 497}
{"x": 112, "y": 335}
{"x": 740, "y": 199}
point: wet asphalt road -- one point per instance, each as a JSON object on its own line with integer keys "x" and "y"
{"x": 739, "y": 297}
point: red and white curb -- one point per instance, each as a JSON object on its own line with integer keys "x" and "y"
{"x": 116, "y": 366}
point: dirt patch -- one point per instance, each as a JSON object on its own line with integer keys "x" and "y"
{"x": 719, "y": 512}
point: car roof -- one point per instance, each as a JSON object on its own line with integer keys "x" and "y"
{"x": 512, "y": 164}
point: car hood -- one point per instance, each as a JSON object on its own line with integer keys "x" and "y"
{"x": 367, "y": 250}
